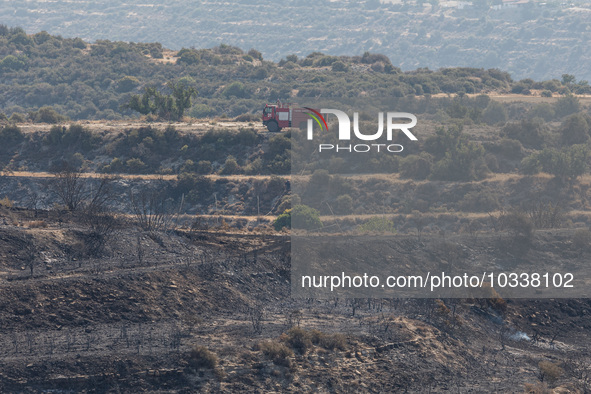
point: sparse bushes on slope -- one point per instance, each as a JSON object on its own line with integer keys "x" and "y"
{"x": 302, "y": 340}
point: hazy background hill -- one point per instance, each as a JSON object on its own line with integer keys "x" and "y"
{"x": 535, "y": 40}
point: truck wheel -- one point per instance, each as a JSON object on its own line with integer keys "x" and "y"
{"x": 273, "y": 127}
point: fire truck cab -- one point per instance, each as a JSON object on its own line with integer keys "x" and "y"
{"x": 280, "y": 115}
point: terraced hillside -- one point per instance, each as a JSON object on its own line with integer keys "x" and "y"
{"x": 210, "y": 311}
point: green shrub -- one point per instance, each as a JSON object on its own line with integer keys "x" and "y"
{"x": 465, "y": 163}
{"x": 127, "y": 84}
{"x": 204, "y": 167}
{"x": 283, "y": 220}
{"x": 531, "y": 165}
{"x": 543, "y": 111}
{"x": 305, "y": 217}
{"x": 379, "y": 225}
{"x": 188, "y": 166}
{"x": 339, "y": 66}
{"x": 494, "y": 113}
{"x": 319, "y": 178}
{"x": 510, "y": 148}
{"x": 531, "y": 133}
{"x": 324, "y": 61}
{"x": 255, "y": 54}
{"x": 566, "y": 164}
{"x": 116, "y": 166}
{"x": 236, "y": 89}
{"x": 343, "y": 204}
{"x": 416, "y": 166}
{"x": 187, "y": 56}
{"x": 11, "y": 134}
{"x": 286, "y": 202}
{"x": 17, "y": 117}
{"x": 575, "y": 129}
{"x": 11, "y": 62}
{"x": 230, "y": 166}
{"x": 567, "y": 105}
{"x": 47, "y": 115}
{"x": 135, "y": 166}
{"x": 201, "y": 111}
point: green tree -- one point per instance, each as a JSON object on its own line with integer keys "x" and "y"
{"x": 567, "y": 105}
{"x": 340, "y": 66}
{"x": 465, "y": 163}
{"x": 460, "y": 159}
{"x": 255, "y": 54}
{"x": 167, "y": 106}
{"x": 188, "y": 56}
{"x": 575, "y": 129}
{"x": 127, "y": 84}
{"x": 416, "y": 166}
{"x": 531, "y": 133}
{"x": 565, "y": 164}
{"x": 305, "y": 217}
{"x": 11, "y": 62}
{"x": 567, "y": 79}
{"x": 494, "y": 113}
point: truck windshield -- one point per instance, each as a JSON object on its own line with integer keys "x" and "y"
{"x": 268, "y": 110}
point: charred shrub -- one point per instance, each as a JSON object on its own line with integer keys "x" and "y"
{"x": 302, "y": 340}
{"x": 276, "y": 351}
{"x": 201, "y": 357}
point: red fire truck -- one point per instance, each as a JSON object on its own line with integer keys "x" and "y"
{"x": 280, "y": 115}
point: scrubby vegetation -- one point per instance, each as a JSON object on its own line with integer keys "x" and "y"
{"x": 416, "y": 34}
{"x": 110, "y": 80}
